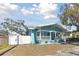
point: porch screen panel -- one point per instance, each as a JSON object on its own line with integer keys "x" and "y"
{"x": 38, "y": 35}
{"x": 45, "y": 35}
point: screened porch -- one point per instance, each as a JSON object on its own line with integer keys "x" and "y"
{"x": 49, "y": 36}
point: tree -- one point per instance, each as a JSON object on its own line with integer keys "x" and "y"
{"x": 17, "y": 26}
{"x": 70, "y": 13}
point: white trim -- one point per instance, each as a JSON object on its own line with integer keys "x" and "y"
{"x": 50, "y": 35}
{"x": 40, "y": 34}
{"x": 55, "y": 35}
{"x": 46, "y": 31}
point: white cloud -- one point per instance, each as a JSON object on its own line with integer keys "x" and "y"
{"x": 35, "y": 5}
{"x": 13, "y": 7}
{"x": 50, "y": 16}
{"x": 33, "y": 9}
{"x": 42, "y": 9}
{"x": 9, "y": 6}
{"x": 46, "y": 7}
{"x": 46, "y": 10}
{"x": 5, "y": 8}
{"x": 46, "y": 17}
{"x": 37, "y": 13}
{"x": 26, "y": 12}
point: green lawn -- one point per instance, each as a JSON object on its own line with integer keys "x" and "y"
{"x": 4, "y": 48}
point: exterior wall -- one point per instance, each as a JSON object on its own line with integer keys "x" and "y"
{"x": 49, "y": 40}
{"x": 33, "y": 36}
{"x": 3, "y": 40}
{"x": 24, "y": 39}
{"x": 44, "y": 39}
{"x": 49, "y": 28}
{"x": 14, "y": 39}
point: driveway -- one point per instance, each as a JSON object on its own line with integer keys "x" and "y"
{"x": 37, "y": 50}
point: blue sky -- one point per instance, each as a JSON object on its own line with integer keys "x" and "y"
{"x": 34, "y": 14}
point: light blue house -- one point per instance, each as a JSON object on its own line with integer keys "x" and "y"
{"x": 47, "y": 34}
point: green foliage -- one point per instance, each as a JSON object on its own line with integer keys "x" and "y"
{"x": 71, "y": 12}
{"x": 74, "y": 34}
{"x": 3, "y": 33}
{"x": 17, "y": 26}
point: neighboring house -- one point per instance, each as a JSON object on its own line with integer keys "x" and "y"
{"x": 3, "y": 39}
{"x": 71, "y": 28}
{"x": 3, "y": 36}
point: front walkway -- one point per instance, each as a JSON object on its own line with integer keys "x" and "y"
{"x": 43, "y": 50}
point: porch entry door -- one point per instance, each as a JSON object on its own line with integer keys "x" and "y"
{"x": 52, "y": 35}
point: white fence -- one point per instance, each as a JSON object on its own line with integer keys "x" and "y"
{"x": 14, "y": 39}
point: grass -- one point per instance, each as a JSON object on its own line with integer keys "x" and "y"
{"x": 3, "y": 46}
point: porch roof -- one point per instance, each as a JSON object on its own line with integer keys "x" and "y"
{"x": 52, "y": 27}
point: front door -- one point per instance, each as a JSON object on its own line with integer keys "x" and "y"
{"x": 52, "y": 35}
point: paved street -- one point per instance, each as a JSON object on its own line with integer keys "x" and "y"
{"x": 36, "y": 50}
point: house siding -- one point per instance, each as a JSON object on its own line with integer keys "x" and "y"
{"x": 50, "y": 28}
{"x": 3, "y": 40}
